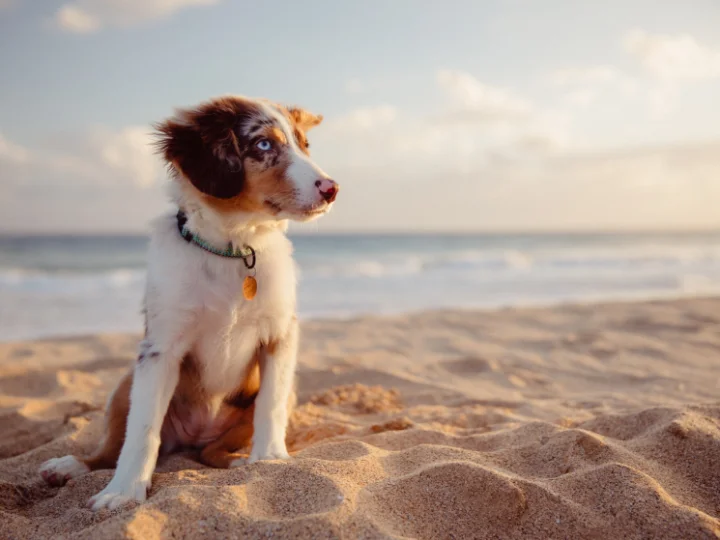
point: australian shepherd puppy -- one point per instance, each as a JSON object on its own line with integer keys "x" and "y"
{"x": 215, "y": 370}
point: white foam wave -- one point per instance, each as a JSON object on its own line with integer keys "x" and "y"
{"x": 19, "y": 279}
{"x": 36, "y": 303}
{"x": 501, "y": 261}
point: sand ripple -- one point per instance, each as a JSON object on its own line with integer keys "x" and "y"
{"x": 576, "y": 422}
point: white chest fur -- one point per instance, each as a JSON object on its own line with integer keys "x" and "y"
{"x": 205, "y": 290}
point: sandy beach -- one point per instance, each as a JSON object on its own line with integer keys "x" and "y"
{"x": 593, "y": 421}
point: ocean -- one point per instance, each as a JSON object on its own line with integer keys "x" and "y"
{"x": 72, "y": 285}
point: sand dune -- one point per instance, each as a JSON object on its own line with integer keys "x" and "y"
{"x": 571, "y": 422}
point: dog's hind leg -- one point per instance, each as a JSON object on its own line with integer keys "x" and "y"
{"x": 222, "y": 453}
{"x": 57, "y": 471}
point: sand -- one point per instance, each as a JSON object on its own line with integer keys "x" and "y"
{"x": 598, "y": 421}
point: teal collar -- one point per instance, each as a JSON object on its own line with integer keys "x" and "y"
{"x": 246, "y": 253}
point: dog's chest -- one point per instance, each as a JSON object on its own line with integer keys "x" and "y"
{"x": 231, "y": 327}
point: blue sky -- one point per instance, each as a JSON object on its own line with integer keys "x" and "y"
{"x": 461, "y": 115}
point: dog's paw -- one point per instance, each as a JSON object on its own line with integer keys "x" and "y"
{"x": 57, "y": 471}
{"x": 116, "y": 495}
{"x": 280, "y": 453}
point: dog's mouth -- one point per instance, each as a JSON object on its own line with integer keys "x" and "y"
{"x": 302, "y": 213}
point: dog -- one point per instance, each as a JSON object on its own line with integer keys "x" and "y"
{"x": 216, "y": 368}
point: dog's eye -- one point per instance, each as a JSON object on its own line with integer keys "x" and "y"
{"x": 264, "y": 145}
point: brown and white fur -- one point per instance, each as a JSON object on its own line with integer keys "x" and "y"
{"x": 215, "y": 371}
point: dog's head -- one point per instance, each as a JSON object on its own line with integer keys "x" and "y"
{"x": 248, "y": 155}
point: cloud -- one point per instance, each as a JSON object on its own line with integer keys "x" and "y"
{"x": 644, "y": 187}
{"x": 587, "y": 84}
{"x": 658, "y": 186}
{"x": 99, "y": 180}
{"x": 11, "y": 152}
{"x": 87, "y": 16}
{"x": 668, "y": 62}
{"x": 482, "y": 117}
{"x": 488, "y": 158}
{"x": 475, "y": 102}
{"x": 678, "y": 57}
{"x": 7, "y": 4}
{"x": 476, "y": 123}
{"x": 99, "y": 157}
{"x": 74, "y": 19}
{"x": 129, "y": 152}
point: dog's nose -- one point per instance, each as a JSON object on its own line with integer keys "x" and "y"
{"x": 328, "y": 189}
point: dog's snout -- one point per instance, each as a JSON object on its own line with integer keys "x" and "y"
{"x": 328, "y": 189}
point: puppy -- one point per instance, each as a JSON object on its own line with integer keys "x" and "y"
{"x": 215, "y": 370}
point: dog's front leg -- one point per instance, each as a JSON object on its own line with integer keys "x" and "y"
{"x": 277, "y": 373}
{"x": 154, "y": 381}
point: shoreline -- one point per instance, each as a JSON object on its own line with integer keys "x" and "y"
{"x": 599, "y": 300}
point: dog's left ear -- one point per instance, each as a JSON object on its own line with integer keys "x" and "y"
{"x": 305, "y": 120}
{"x": 203, "y": 145}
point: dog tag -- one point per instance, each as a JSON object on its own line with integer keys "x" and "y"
{"x": 249, "y": 287}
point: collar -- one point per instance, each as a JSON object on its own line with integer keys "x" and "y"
{"x": 246, "y": 253}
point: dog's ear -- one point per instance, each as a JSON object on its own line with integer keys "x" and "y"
{"x": 204, "y": 146}
{"x": 304, "y": 120}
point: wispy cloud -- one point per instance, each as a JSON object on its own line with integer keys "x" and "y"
{"x": 129, "y": 152}
{"x": 86, "y": 16}
{"x": 476, "y": 102}
{"x": 107, "y": 178}
{"x": 74, "y": 19}
{"x": 667, "y": 62}
{"x": 474, "y": 122}
{"x": 11, "y": 152}
{"x": 586, "y": 84}
{"x": 520, "y": 164}
{"x": 673, "y": 57}
{"x": 629, "y": 187}
{"x": 643, "y": 187}
{"x": 98, "y": 157}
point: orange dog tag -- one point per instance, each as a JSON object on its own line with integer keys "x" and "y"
{"x": 249, "y": 287}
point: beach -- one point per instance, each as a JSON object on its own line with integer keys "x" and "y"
{"x": 572, "y": 421}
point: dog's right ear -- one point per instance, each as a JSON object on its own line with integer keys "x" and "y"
{"x": 203, "y": 145}
{"x": 304, "y": 119}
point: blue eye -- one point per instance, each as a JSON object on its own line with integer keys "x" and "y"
{"x": 264, "y": 145}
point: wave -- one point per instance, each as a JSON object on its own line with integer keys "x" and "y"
{"x": 36, "y": 303}
{"x": 481, "y": 262}
{"x": 489, "y": 263}
{"x": 25, "y": 280}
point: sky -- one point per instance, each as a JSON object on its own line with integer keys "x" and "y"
{"x": 498, "y": 115}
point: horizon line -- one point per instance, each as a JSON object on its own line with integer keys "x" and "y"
{"x": 402, "y": 232}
